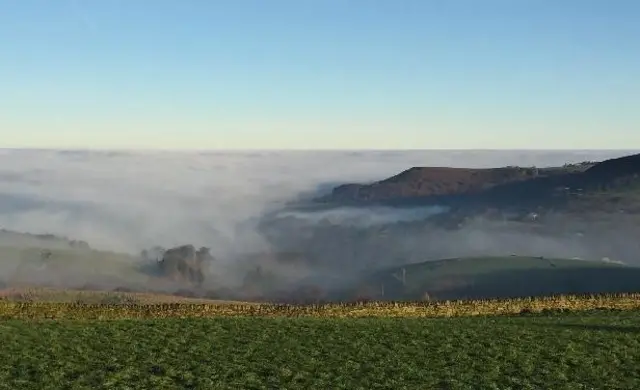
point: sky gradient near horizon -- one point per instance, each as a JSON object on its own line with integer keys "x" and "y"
{"x": 315, "y": 74}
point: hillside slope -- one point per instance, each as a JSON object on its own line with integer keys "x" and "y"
{"x": 508, "y": 186}
{"x": 43, "y": 241}
{"x": 496, "y": 277}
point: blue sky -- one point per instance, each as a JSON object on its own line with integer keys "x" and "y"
{"x": 353, "y": 74}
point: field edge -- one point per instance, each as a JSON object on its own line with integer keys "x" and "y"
{"x": 469, "y": 308}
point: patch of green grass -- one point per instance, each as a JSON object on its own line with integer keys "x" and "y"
{"x": 597, "y": 350}
{"x": 59, "y": 266}
{"x": 69, "y": 296}
{"x": 495, "y": 277}
{"x": 95, "y": 297}
{"x": 425, "y": 272}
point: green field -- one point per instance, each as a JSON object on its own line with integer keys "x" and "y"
{"x": 96, "y": 297}
{"x": 496, "y": 277}
{"x": 595, "y": 350}
{"x": 68, "y": 266}
{"x": 109, "y": 340}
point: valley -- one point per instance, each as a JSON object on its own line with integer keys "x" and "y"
{"x": 480, "y": 233}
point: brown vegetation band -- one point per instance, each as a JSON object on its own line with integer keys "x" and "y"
{"x": 42, "y": 310}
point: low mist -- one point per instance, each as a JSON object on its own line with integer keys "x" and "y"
{"x": 363, "y": 216}
{"x": 129, "y": 201}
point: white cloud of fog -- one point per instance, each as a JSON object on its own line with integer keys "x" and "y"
{"x": 364, "y": 217}
{"x": 127, "y": 201}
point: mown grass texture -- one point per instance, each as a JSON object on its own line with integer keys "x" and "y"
{"x": 594, "y": 350}
{"x": 79, "y": 311}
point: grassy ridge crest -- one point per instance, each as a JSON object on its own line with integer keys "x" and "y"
{"x": 462, "y": 308}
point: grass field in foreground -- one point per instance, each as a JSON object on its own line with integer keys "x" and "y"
{"x": 594, "y": 350}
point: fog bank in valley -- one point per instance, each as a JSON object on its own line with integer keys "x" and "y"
{"x": 126, "y": 201}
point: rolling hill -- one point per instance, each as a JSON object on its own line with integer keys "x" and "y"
{"x": 495, "y": 277}
{"x": 497, "y": 187}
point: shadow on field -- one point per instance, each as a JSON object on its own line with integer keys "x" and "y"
{"x": 544, "y": 282}
{"x": 601, "y": 328}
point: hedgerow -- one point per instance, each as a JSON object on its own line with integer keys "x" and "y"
{"x": 78, "y": 310}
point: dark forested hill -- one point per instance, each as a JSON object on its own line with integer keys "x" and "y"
{"x": 496, "y": 187}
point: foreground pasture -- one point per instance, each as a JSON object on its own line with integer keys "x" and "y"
{"x": 592, "y": 350}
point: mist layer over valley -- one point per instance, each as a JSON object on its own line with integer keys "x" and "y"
{"x": 256, "y": 214}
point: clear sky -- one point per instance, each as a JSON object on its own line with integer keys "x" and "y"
{"x": 315, "y": 74}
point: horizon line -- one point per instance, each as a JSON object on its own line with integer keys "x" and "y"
{"x": 136, "y": 149}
